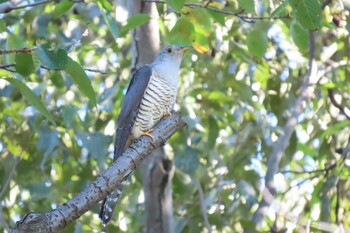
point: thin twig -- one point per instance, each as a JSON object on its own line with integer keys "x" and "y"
{"x": 210, "y": 1}
{"x": 248, "y": 19}
{"x": 203, "y": 206}
{"x": 95, "y": 71}
{"x": 6, "y": 67}
{"x": 11, "y": 8}
{"x": 341, "y": 108}
{"x": 23, "y": 50}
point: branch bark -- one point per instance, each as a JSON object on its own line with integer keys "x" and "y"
{"x": 306, "y": 92}
{"x": 66, "y": 213}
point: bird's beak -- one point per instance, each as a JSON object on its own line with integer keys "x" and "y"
{"x": 183, "y": 49}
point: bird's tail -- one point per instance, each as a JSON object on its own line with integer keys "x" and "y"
{"x": 109, "y": 203}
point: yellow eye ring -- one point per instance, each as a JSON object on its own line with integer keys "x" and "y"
{"x": 169, "y": 50}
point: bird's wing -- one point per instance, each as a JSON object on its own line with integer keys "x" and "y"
{"x": 130, "y": 108}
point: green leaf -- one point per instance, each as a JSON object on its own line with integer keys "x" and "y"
{"x": 62, "y": 7}
{"x": 176, "y": 4}
{"x": 53, "y": 59}
{"x": 299, "y": 35}
{"x": 134, "y": 22}
{"x": 57, "y": 79}
{"x": 247, "y": 5}
{"x": 201, "y": 43}
{"x": 280, "y": 10}
{"x": 308, "y": 13}
{"x": 31, "y": 97}
{"x": 219, "y": 96}
{"x": 106, "y": 5}
{"x": 219, "y": 17}
{"x": 257, "y": 42}
{"x": 24, "y": 64}
{"x": 80, "y": 78}
{"x": 182, "y": 33}
{"x": 110, "y": 21}
{"x": 68, "y": 114}
{"x": 3, "y": 27}
{"x": 213, "y": 132}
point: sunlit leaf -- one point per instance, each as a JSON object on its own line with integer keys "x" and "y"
{"x": 110, "y": 21}
{"x": 176, "y": 4}
{"x": 3, "y": 27}
{"x": 280, "y": 10}
{"x": 308, "y": 13}
{"x": 247, "y": 5}
{"x": 299, "y": 35}
{"x": 257, "y": 42}
{"x": 201, "y": 43}
{"x": 105, "y": 4}
{"x": 31, "y": 97}
{"x": 219, "y": 17}
{"x": 134, "y": 22}
{"x": 62, "y": 7}
{"x": 80, "y": 78}
{"x": 219, "y": 96}
{"x": 182, "y": 33}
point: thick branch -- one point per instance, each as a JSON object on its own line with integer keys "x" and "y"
{"x": 60, "y": 217}
{"x": 306, "y": 91}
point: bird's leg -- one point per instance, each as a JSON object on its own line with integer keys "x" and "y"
{"x": 148, "y": 134}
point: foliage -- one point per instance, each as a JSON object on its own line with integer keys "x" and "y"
{"x": 57, "y": 118}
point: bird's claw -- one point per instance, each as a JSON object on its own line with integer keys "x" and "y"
{"x": 166, "y": 114}
{"x": 148, "y": 134}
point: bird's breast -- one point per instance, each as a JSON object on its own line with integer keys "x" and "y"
{"x": 158, "y": 99}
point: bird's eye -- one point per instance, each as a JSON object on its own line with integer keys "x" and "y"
{"x": 169, "y": 50}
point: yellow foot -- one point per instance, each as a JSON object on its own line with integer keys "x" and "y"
{"x": 148, "y": 134}
{"x": 166, "y": 114}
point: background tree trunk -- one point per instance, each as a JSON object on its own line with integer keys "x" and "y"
{"x": 157, "y": 171}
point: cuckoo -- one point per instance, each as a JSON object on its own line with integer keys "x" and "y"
{"x": 150, "y": 96}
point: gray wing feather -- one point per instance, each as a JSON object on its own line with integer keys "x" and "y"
{"x": 130, "y": 108}
{"x": 125, "y": 123}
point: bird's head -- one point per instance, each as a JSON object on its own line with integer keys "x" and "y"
{"x": 172, "y": 53}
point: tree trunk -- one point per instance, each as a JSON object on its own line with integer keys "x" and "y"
{"x": 157, "y": 171}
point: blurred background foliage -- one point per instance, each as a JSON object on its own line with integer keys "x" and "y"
{"x": 60, "y": 98}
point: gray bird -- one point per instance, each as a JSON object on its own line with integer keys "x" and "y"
{"x": 150, "y": 96}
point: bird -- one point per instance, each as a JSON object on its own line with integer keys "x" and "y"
{"x": 150, "y": 96}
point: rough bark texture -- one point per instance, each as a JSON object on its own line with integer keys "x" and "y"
{"x": 157, "y": 171}
{"x": 60, "y": 217}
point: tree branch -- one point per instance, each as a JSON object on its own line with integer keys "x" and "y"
{"x": 22, "y": 50}
{"x": 306, "y": 91}
{"x": 7, "y": 67}
{"x": 10, "y": 7}
{"x": 60, "y": 217}
{"x": 202, "y": 205}
{"x": 248, "y": 19}
{"x": 341, "y": 108}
